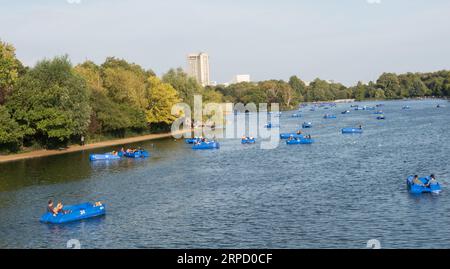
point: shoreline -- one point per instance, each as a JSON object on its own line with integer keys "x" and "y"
{"x": 77, "y": 148}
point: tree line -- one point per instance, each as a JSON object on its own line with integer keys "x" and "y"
{"x": 54, "y": 103}
{"x": 290, "y": 94}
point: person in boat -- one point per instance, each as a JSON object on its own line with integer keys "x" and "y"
{"x": 122, "y": 150}
{"x": 432, "y": 181}
{"x": 360, "y": 127}
{"x": 50, "y": 207}
{"x": 417, "y": 181}
{"x": 97, "y": 204}
{"x": 56, "y": 210}
{"x": 299, "y": 132}
{"x": 115, "y": 153}
{"x": 308, "y": 136}
{"x": 244, "y": 138}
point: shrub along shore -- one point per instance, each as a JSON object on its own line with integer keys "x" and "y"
{"x": 55, "y": 104}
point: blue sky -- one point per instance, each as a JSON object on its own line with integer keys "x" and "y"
{"x": 341, "y": 40}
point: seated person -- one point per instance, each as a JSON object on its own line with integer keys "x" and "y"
{"x": 299, "y": 132}
{"x": 432, "y": 181}
{"x": 417, "y": 181}
{"x": 97, "y": 204}
{"x": 59, "y": 209}
{"x": 50, "y": 207}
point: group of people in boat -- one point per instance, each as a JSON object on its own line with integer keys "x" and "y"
{"x": 129, "y": 151}
{"x": 55, "y": 210}
{"x": 59, "y": 208}
{"x": 300, "y": 132}
{"x": 431, "y": 181}
{"x": 200, "y": 140}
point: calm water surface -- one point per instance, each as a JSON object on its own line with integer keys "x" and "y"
{"x": 338, "y": 193}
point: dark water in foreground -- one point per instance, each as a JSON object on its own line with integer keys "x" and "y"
{"x": 338, "y": 193}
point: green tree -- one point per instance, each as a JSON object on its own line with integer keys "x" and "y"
{"x": 161, "y": 97}
{"x": 210, "y": 95}
{"x": 51, "y": 103}
{"x": 186, "y": 86}
{"x": 114, "y": 118}
{"x": 299, "y": 88}
{"x": 360, "y": 91}
{"x": 125, "y": 85}
{"x": 317, "y": 90}
{"x": 379, "y": 94}
{"x": 92, "y": 74}
{"x": 9, "y": 70}
{"x": 389, "y": 82}
{"x": 11, "y": 134}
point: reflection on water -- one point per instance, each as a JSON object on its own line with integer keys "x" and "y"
{"x": 48, "y": 170}
{"x": 338, "y": 193}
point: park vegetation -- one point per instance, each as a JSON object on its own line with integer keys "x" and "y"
{"x": 54, "y": 103}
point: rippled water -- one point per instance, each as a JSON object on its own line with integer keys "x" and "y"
{"x": 338, "y": 193}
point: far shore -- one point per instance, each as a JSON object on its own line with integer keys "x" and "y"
{"x": 76, "y": 148}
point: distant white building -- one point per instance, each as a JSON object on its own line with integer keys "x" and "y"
{"x": 198, "y": 67}
{"x": 241, "y": 78}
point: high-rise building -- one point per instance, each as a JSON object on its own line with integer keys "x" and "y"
{"x": 198, "y": 67}
{"x": 241, "y": 78}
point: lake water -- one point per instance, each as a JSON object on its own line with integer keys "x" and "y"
{"x": 338, "y": 193}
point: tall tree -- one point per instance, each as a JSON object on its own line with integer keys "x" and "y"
{"x": 360, "y": 91}
{"x": 11, "y": 134}
{"x": 9, "y": 70}
{"x": 317, "y": 90}
{"x": 161, "y": 97}
{"x": 92, "y": 74}
{"x": 51, "y": 103}
{"x": 298, "y": 86}
{"x": 125, "y": 84}
{"x": 389, "y": 82}
{"x": 186, "y": 86}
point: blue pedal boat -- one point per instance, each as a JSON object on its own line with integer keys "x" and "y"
{"x": 103, "y": 157}
{"x": 303, "y": 141}
{"x": 206, "y": 145}
{"x": 75, "y": 213}
{"x": 419, "y": 189}
{"x": 293, "y": 135}
{"x": 352, "y": 131}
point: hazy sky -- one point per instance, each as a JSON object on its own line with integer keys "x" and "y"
{"x": 341, "y": 40}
